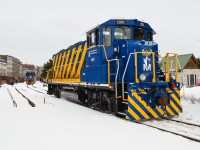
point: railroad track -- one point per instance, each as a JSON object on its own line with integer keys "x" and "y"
{"x": 29, "y": 101}
{"x": 35, "y": 90}
{"x": 11, "y": 96}
{"x": 180, "y": 128}
{"x": 39, "y": 88}
{"x": 197, "y": 125}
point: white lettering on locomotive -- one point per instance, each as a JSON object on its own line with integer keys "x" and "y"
{"x": 147, "y": 64}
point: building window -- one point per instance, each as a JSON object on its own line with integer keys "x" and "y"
{"x": 107, "y": 36}
{"x": 191, "y": 80}
{"x": 195, "y": 79}
{"x": 188, "y": 80}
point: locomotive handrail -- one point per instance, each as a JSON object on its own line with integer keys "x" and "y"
{"x": 154, "y": 70}
{"x": 124, "y": 75}
{"x": 136, "y": 69}
{"x": 109, "y": 60}
{"x": 167, "y": 69}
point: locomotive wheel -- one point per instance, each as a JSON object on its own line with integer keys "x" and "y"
{"x": 82, "y": 96}
{"x": 58, "y": 93}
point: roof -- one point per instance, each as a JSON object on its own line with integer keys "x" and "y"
{"x": 123, "y": 22}
{"x": 9, "y": 56}
{"x": 183, "y": 60}
{"x": 126, "y": 22}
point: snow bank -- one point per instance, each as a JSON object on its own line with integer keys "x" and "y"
{"x": 190, "y": 98}
{"x": 193, "y": 92}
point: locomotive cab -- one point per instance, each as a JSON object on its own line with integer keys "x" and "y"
{"x": 115, "y": 39}
{"x": 123, "y": 54}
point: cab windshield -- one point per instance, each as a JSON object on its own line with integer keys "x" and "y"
{"x": 122, "y": 33}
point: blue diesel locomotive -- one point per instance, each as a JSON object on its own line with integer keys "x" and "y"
{"x": 117, "y": 70}
{"x": 30, "y": 78}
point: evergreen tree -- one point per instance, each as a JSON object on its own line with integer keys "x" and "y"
{"x": 48, "y": 65}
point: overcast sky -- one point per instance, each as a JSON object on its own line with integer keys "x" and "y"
{"x": 33, "y": 30}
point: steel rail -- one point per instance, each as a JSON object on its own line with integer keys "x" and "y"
{"x": 187, "y": 137}
{"x": 11, "y": 96}
{"x": 39, "y": 88}
{"x": 183, "y": 122}
{"x": 35, "y": 90}
{"x": 29, "y": 101}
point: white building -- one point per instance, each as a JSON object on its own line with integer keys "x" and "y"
{"x": 13, "y": 66}
{"x": 189, "y": 73}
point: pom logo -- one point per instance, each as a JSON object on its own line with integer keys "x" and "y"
{"x": 146, "y": 60}
{"x": 146, "y": 64}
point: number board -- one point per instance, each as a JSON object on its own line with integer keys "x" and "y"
{"x": 121, "y": 22}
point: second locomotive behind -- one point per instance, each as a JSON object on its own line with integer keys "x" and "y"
{"x": 30, "y": 78}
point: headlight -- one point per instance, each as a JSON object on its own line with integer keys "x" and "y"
{"x": 143, "y": 77}
{"x": 173, "y": 77}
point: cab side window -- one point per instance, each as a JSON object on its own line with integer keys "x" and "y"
{"x": 149, "y": 36}
{"x": 138, "y": 34}
{"x": 107, "y": 36}
{"x": 93, "y": 38}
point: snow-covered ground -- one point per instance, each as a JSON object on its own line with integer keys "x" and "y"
{"x": 191, "y": 105}
{"x": 60, "y": 124}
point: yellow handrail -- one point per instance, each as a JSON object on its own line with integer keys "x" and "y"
{"x": 109, "y": 60}
{"x": 167, "y": 66}
{"x": 153, "y": 63}
{"x": 108, "y": 64}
